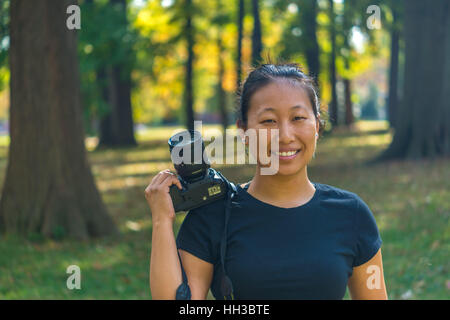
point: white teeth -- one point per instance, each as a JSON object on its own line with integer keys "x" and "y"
{"x": 287, "y": 154}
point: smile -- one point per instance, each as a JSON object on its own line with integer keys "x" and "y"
{"x": 286, "y": 155}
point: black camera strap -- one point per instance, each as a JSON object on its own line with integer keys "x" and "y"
{"x": 183, "y": 291}
{"x": 226, "y": 286}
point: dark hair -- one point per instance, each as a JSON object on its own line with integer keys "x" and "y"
{"x": 267, "y": 73}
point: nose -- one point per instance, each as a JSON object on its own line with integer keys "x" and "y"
{"x": 286, "y": 134}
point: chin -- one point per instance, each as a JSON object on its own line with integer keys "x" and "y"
{"x": 289, "y": 170}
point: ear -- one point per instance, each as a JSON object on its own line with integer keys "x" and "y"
{"x": 240, "y": 127}
{"x": 239, "y": 124}
{"x": 318, "y": 123}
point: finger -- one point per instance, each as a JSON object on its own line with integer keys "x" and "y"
{"x": 159, "y": 177}
{"x": 171, "y": 179}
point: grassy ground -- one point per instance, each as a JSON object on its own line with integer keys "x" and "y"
{"x": 411, "y": 203}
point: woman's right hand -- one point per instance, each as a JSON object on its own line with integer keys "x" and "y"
{"x": 158, "y": 196}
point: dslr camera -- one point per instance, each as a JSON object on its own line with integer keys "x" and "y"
{"x": 200, "y": 183}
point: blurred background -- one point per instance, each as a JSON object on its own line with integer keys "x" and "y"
{"x": 89, "y": 96}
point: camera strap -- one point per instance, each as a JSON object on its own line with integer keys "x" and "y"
{"x": 183, "y": 291}
{"x": 226, "y": 286}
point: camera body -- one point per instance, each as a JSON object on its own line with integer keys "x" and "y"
{"x": 198, "y": 193}
{"x": 200, "y": 183}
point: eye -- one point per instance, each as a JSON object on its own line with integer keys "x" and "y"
{"x": 299, "y": 118}
{"x": 268, "y": 121}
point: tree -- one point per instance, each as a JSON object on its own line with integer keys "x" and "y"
{"x": 117, "y": 126}
{"x": 240, "y": 20}
{"x": 423, "y": 119}
{"x": 256, "y": 35}
{"x": 220, "y": 20}
{"x": 48, "y": 188}
{"x": 395, "y": 29}
{"x": 308, "y": 21}
{"x": 188, "y": 89}
{"x": 333, "y": 110}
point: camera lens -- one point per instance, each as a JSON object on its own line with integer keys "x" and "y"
{"x": 187, "y": 154}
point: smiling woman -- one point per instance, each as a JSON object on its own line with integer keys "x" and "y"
{"x": 285, "y": 237}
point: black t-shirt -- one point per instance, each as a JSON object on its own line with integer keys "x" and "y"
{"x": 306, "y": 252}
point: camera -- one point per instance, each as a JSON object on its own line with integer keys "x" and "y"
{"x": 200, "y": 183}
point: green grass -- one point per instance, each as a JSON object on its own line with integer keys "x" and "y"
{"x": 410, "y": 201}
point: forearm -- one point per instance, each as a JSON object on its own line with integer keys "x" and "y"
{"x": 165, "y": 268}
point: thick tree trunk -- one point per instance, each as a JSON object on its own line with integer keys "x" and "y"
{"x": 422, "y": 126}
{"x": 49, "y": 188}
{"x": 333, "y": 111}
{"x": 189, "y": 91}
{"x": 256, "y": 36}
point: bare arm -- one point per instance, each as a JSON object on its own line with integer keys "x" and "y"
{"x": 367, "y": 280}
{"x": 165, "y": 268}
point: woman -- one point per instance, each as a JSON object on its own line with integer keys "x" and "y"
{"x": 287, "y": 237}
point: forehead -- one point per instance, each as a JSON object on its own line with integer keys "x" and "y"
{"x": 280, "y": 95}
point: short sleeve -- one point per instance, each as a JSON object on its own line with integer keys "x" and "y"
{"x": 194, "y": 235}
{"x": 368, "y": 239}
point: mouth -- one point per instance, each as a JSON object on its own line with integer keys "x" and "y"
{"x": 287, "y": 155}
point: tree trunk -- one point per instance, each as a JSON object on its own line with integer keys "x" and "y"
{"x": 333, "y": 112}
{"x": 221, "y": 100}
{"x": 105, "y": 130}
{"x": 349, "y": 119}
{"x": 422, "y": 126}
{"x": 393, "y": 73}
{"x": 49, "y": 188}
{"x": 308, "y": 16}
{"x": 239, "y": 44}
{"x": 188, "y": 94}
{"x": 117, "y": 126}
{"x": 256, "y": 36}
{"x": 123, "y": 128}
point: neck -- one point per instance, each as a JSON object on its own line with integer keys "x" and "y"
{"x": 279, "y": 188}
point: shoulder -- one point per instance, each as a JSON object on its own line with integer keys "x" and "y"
{"x": 209, "y": 214}
{"x": 328, "y": 192}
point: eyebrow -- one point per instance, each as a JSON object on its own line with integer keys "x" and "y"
{"x": 272, "y": 109}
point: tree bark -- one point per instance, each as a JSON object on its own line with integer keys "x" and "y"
{"x": 49, "y": 188}
{"x": 422, "y": 126}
